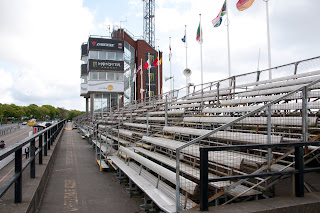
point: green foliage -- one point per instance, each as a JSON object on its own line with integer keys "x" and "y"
{"x": 14, "y": 112}
{"x": 73, "y": 113}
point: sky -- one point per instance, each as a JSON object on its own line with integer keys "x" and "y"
{"x": 40, "y": 41}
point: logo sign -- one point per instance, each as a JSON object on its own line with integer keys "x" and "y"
{"x": 110, "y": 87}
{"x": 105, "y": 44}
{"x": 108, "y": 65}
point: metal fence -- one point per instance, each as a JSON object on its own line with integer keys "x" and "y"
{"x": 45, "y": 139}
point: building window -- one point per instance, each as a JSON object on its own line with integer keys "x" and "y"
{"x": 93, "y": 54}
{"x": 118, "y": 76}
{"x": 111, "y": 56}
{"x": 102, "y": 55}
{"x": 93, "y": 76}
{"x": 119, "y": 56}
{"x": 102, "y": 76}
{"x": 110, "y": 76}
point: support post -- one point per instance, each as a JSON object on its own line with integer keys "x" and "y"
{"x": 204, "y": 190}
{"x": 299, "y": 177}
{"x": 45, "y": 143}
{"x": 269, "y": 134}
{"x": 49, "y": 139}
{"x": 18, "y": 171}
{"x": 33, "y": 160}
{"x": 40, "y": 148}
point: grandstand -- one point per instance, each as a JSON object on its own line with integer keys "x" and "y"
{"x": 155, "y": 142}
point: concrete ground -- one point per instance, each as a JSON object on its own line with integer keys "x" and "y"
{"x": 77, "y": 185}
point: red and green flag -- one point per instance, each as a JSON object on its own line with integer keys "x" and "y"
{"x": 199, "y": 34}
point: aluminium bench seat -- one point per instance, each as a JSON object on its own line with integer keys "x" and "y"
{"x": 195, "y": 173}
{"x": 285, "y": 121}
{"x": 260, "y": 99}
{"x": 228, "y": 158}
{"x": 169, "y": 112}
{"x": 226, "y": 135}
{"x": 286, "y": 106}
{"x": 190, "y": 186}
{"x": 162, "y": 196}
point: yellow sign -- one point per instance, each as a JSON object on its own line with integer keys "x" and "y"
{"x": 110, "y": 87}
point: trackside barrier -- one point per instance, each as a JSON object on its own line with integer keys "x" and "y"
{"x": 46, "y": 139}
{"x": 298, "y": 170}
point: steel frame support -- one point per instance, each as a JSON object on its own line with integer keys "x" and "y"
{"x": 18, "y": 172}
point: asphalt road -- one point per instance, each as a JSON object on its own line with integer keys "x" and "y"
{"x": 7, "y": 165}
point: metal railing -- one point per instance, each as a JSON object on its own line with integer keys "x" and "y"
{"x": 299, "y": 170}
{"x": 228, "y": 127}
{"x": 46, "y": 138}
{"x": 234, "y": 83}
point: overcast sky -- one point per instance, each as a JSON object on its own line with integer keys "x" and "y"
{"x": 40, "y": 41}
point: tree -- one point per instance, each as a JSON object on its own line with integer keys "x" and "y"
{"x": 44, "y": 112}
{"x": 52, "y": 111}
{"x": 73, "y": 113}
{"x": 63, "y": 113}
{"x": 33, "y": 111}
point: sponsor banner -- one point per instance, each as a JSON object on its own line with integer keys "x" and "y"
{"x": 108, "y": 65}
{"x": 84, "y": 50}
{"x": 105, "y": 44}
{"x": 106, "y": 87}
{"x": 84, "y": 70}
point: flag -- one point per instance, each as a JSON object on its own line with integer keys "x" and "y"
{"x": 155, "y": 62}
{"x": 218, "y": 20}
{"x": 139, "y": 68}
{"x": 170, "y": 54}
{"x": 147, "y": 65}
{"x": 184, "y": 39}
{"x": 199, "y": 34}
{"x": 244, "y": 4}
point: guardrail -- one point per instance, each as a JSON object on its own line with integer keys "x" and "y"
{"x": 9, "y": 128}
{"x": 299, "y": 170}
{"x": 46, "y": 139}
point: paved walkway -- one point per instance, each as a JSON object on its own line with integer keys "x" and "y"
{"x": 76, "y": 185}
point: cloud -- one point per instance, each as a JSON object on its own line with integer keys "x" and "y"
{"x": 41, "y": 49}
{"x": 293, "y": 34}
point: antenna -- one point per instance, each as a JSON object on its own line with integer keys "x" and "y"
{"x": 149, "y": 22}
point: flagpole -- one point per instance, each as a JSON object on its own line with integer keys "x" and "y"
{"x": 149, "y": 75}
{"x": 268, "y": 34}
{"x": 170, "y": 55}
{"x": 186, "y": 46}
{"x": 158, "y": 72}
{"x": 141, "y": 85}
{"x": 135, "y": 82}
{"x": 201, "y": 54}
{"x": 229, "y": 61}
